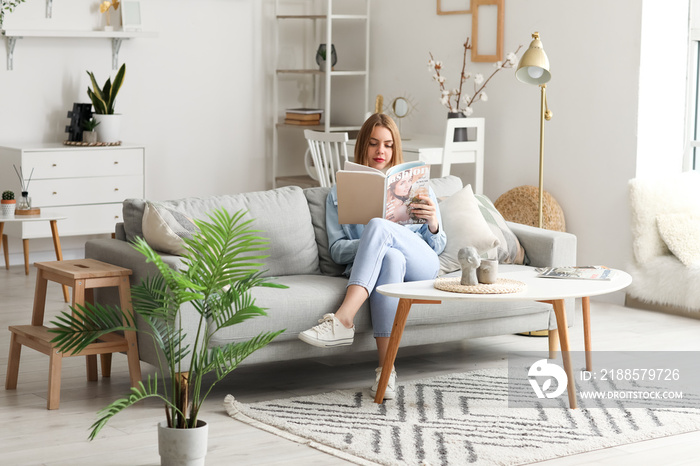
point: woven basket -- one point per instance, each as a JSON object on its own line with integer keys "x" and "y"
{"x": 522, "y": 205}
{"x": 502, "y": 286}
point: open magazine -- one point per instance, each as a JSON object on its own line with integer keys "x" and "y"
{"x": 365, "y": 193}
{"x": 587, "y": 272}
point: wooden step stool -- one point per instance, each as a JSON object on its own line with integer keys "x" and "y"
{"x": 83, "y": 275}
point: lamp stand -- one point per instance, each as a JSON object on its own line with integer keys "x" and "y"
{"x": 545, "y": 114}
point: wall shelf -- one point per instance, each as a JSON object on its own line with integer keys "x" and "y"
{"x": 117, "y": 37}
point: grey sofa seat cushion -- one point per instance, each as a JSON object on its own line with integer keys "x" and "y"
{"x": 282, "y": 215}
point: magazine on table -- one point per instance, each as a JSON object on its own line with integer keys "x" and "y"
{"x": 585, "y": 272}
{"x": 365, "y": 193}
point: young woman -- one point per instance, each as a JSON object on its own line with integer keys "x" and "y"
{"x": 378, "y": 253}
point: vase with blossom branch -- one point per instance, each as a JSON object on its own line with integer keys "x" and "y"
{"x": 458, "y": 101}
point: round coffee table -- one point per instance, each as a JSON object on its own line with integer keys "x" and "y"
{"x": 548, "y": 290}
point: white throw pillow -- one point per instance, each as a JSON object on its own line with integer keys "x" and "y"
{"x": 164, "y": 228}
{"x": 681, "y": 233}
{"x": 464, "y": 226}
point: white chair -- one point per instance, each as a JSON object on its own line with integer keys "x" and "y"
{"x": 328, "y": 152}
{"x": 465, "y": 151}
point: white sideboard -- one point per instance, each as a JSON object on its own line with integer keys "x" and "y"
{"x": 85, "y": 184}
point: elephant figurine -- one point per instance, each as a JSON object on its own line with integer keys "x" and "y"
{"x": 469, "y": 260}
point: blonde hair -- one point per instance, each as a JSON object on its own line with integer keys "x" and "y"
{"x": 362, "y": 144}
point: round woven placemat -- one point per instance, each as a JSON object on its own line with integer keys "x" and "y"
{"x": 522, "y": 205}
{"x": 502, "y": 285}
{"x": 91, "y": 144}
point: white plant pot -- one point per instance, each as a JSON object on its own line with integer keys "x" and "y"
{"x": 182, "y": 447}
{"x": 8, "y": 210}
{"x": 109, "y": 128}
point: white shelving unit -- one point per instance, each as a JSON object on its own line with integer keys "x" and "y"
{"x": 342, "y": 92}
{"x": 117, "y": 37}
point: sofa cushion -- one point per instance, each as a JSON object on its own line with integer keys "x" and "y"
{"x": 282, "y": 215}
{"x": 446, "y": 186}
{"x": 509, "y": 250}
{"x": 132, "y": 212}
{"x": 165, "y": 229}
{"x": 316, "y": 197}
{"x": 464, "y": 226}
{"x": 681, "y": 233}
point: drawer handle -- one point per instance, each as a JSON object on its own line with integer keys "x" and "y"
{"x": 116, "y": 216}
{"x": 54, "y": 193}
{"x": 116, "y": 189}
{"x": 116, "y": 163}
{"x": 54, "y": 165}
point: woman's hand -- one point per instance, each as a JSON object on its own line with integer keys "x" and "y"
{"x": 428, "y": 210}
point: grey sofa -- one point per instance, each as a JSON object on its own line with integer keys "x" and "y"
{"x": 294, "y": 221}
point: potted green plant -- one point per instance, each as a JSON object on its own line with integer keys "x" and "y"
{"x": 8, "y": 6}
{"x": 103, "y": 101}
{"x": 89, "y": 134}
{"x": 8, "y": 204}
{"x": 218, "y": 274}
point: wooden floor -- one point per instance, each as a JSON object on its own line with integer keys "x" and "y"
{"x": 31, "y": 435}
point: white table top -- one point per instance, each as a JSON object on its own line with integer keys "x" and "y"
{"x": 537, "y": 289}
{"x": 42, "y": 217}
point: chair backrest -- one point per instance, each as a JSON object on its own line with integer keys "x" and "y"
{"x": 465, "y": 151}
{"x": 329, "y": 153}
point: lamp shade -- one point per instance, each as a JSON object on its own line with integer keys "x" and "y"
{"x": 533, "y": 67}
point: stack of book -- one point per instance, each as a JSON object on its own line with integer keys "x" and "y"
{"x": 303, "y": 116}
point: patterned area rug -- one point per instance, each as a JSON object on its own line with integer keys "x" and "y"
{"x": 454, "y": 420}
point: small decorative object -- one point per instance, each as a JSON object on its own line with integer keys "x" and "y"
{"x": 89, "y": 133}
{"x": 24, "y": 206}
{"x": 321, "y": 57}
{"x": 219, "y": 287}
{"x": 80, "y": 114}
{"x": 8, "y": 6}
{"x": 8, "y": 204}
{"x": 103, "y": 101}
{"x": 487, "y": 271}
{"x": 469, "y": 261}
{"x": 131, "y": 16}
{"x": 104, "y": 8}
{"x": 454, "y": 99}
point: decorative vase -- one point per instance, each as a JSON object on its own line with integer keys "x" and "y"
{"x": 25, "y": 202}
{"x": 321, "y": 56}
{"x": 182, "y": 447}
{"x": 8, "y": 207}
{"x": 461, "y": 134}
{"x": 109, "y": 128}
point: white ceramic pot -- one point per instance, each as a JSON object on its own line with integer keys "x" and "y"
{"x": 7, "y": 209}
{"x": 109, "y": 128}
{"x": 182, "y": 447}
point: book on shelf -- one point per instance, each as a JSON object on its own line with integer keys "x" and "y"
{"x": 585, "y": 272}
{"x": 303, "y": 116}
{"x": 288, "y": 121}
{"x": 365, "y": 193}
{"x": 305, "y": 111}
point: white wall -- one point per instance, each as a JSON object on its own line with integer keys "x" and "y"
{"x": 197, "y": 96}
{"x": 194, "y": 95}
{"x": 591, "y": 144}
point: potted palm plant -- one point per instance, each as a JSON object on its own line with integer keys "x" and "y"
{"x": 217, "y": 277}
{"x": 89, "y": 134}
{"x": 103, "y": 101}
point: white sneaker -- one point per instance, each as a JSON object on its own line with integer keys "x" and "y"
{"x": 390, "y": 392}
{"x": 329, "y": 333}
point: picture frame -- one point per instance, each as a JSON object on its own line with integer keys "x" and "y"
{"x": 131, "y": 15}
{"x": 498, "y": 17}
{"x": 447, "y": 11}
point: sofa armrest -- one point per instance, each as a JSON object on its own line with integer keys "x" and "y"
{"x": 123, "y": 254}
{"x": 546, "y": 248}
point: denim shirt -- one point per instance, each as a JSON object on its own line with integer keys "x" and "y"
{"x": 343, "y": 240}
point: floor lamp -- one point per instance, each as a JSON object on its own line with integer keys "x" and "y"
{"x": 534, "y": 69}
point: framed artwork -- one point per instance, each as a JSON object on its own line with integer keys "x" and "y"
{"x": 131, "y": 15}
{"x": 454, "y": 7}
{"x": 487, "y": 23}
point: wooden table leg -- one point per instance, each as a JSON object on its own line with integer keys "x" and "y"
{"x": 59, "y": 254}
{"x": 13, "y": 363}
{"x": 132, "y": 354}
{"x": 553, "y": 342}
{"x": 393, "y": 348}
{"x": 3, "y": 244}
{"x": 560, "y": 313}
{"x": 586, "y": 308}
{"x": 25, "y": 248}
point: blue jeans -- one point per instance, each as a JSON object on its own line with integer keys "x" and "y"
{"x": 390, "y": 253}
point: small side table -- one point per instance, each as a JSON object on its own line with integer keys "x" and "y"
{"x": 46, "y": 217}
{"x": 83, "y": 275}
